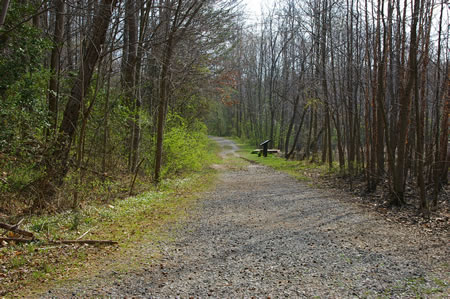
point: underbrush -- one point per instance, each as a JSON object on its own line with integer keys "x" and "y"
{"x": 186, "y": 146}
{"x": 100, "y": 177}
{"x": 108, "y": 215}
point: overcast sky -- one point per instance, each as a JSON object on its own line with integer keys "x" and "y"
{"x": 254, "y": 7}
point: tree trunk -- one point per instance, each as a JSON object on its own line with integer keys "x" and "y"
{"x": 5, "y": 5}
{"x": 129, "y": 80}
{"x": 404, "y": 113}
{"x": 106, "y": 117}
{"x": 308, "y": 140}
{"x": 351, "y": 144}
{"x": 53, "y": 92}
{"x": 297, "y": 134}
{"x": 420, "y": 114}
{"x": 444, "y": 158}
{"x": 163, "y": 101}
{"x": 327, "y": 141}
{"x": 437, "y": 156}
{"x": 290, "y": 126}
{"x": 168, "y": 49}
{"x": 315, "y": 136}
{"x": 57, "y": 163}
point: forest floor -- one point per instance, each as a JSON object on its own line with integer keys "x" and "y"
{"x": 263, "y": 233}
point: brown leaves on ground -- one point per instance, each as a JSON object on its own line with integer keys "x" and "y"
{"x": 35, "y": 263}
{"x": 437, "y": 222}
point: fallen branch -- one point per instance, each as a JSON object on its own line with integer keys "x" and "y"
{"x": 14, "y": 228}
{"x": 91, "y": 242}
{"x": 50, "y": 247}
{"x": 17, "y": 240}
{"x": 80, "y": 237}
{"x": 135, "y": 175}
{"x": 103, "y": 174}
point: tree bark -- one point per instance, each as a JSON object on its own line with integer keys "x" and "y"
{"x": 444, "y": 155}
{"x": 327, "y": 143}
{"x": 53, "y": 92}
{"x": 130, "y": 83}
{"x": 5, "y": 5}
{"x": 437, "y": 156}
{"x": 163, "y": 100}
{"x": 290, "y": 126}
{"x": 404, "y": 113}
{"x": 297, "y": 134}
{"x": 14, "y": 228}
{"x": 420, "y": 106}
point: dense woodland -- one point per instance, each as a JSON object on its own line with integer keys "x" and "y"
{"x": 360, "y": 85}
{"x": 94, "y": 91}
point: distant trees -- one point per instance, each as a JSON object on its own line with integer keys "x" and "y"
{"x": 360, "y": 81}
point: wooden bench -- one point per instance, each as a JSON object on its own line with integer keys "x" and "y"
{"x": 269, "y": 151}
{"x": 265, "y": 150}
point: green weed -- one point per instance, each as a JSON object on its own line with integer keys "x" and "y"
{"x": 30, "y": 248}
{"x": 38, "y": 275}
{"x": 75, "y": 221}
{"x": 46, "y": 268}
{"x": 17, "y": 261}
{"x": 440, "y": 282}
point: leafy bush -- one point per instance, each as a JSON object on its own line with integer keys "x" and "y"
{"x": 185, "y": 147}
{"x": 23, "y": 102}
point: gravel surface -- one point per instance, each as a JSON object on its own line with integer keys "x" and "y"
{"x": 261, "y": 233}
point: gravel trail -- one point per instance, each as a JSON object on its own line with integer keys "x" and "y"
{"x": 261, "y": 233}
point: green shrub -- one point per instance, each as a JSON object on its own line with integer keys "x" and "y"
{"x": 185, "y": 147}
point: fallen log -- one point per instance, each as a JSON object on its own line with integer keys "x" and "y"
{"x": 15, "y": 228}
{"x": 91, "y": 242}
{"x": 17, "y": 240}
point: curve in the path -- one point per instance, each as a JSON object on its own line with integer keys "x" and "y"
{"x": 228, "y": 147}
